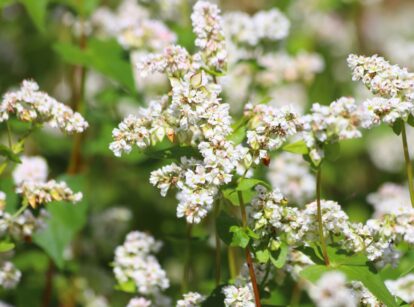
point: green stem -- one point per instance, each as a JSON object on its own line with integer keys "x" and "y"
{"x": 187, "y": 265}
{"x": 247, "y": 251}
{"x": 231, "y": 258}
{"x": 218, "y": 247}
{"x": 408, "y": 166}
{"x": 20, "y": 211}
{"x": 319, "y": 216}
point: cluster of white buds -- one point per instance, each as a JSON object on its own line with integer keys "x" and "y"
{"x": 191, "y": 299}
{"x": 134, "y": 261}
{"x": 24, "y": 225}
{"x": 291, "y": 174}
{"x": 329, "y": 124}
{"x": 392, "y": 85}
{"x": 29, "y": 104}
{"x": 403, "y": 287}
{"x": 269, "y": 128}
{"x": 207, "y": 26}
{"x": 332, "y": 290}
{"x": 364, "y": 296}
{"x": 41, "y": 193}
{"x": 9, "y": 275}
{"x": 264, "y": 26}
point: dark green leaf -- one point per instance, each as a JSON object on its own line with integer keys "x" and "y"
{"x": 223, "y": 224}
{"x": 410, "y": 120}
{"x": 215, "y": 299}
{"x": 175, "y": 152}
{"x": 249, "y": 183}
{"x": 297, "y": 148}
{"x": 397, "y": 126}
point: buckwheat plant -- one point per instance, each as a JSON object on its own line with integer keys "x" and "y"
{"x": 35, "y": 109}
{"x": 216, "y": 162}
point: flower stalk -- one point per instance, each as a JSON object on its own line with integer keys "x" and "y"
{"x": 408, "y": 165}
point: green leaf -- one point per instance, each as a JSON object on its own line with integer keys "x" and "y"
{"x": 223, "y": 224}
{"x": 397, "y": 126}
{"x": 37, "y": 12}
{"x": 410, "y": 120}
{"x": 6, "y": 246}
{"x": 230, "y": 194}
{"x": 175, "y": 153}
{"x": 314, "y": 272}
{"x": 83, "y": 8}
{"x": 215, "y": 299}
{"x": 107, "y": 57}
{"x": 238, "y": 135}
{"x": 128, "y": 287}
{"x": 332, "y": 151}
{"x": 297, "y": 148}
{"x": 240, "y": 237}
{"x": 249, "y": 183}
{"x": 370, "y": 280}
{"x": 282, "y": 257}
{"x": 65, "y": 221}
{"x": 263, "y": 256}
{"x": 9, "y": 154}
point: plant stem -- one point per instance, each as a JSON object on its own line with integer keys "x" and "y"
{"x": 231, "y": 258}
{"x": 249, "y": 259}
{"x": 187, "y": 265}
{"x": 319, "y": 215}
{"x": 218, "y": 246}
{"x": 20, "y": 211}
{"x": 408, "y": 166}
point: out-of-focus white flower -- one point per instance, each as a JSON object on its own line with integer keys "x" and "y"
{"x": 364, "y": 296}
{"x": 32, "y": 169}
{"x": 390, "y": 199}
{"x": 9, "y": 275}
{"x": 191, "y": 299}
{"x": 139, "y": 302}
{"x": 24, "y": 225}
{"x": 402, "y": 287}
{"x": 29, "y": 104}
{"x": 135, "y": 262}
{"x": 290, "y": 173}
{"x": 41, "y": 193}
{"x": 331, "y": 291}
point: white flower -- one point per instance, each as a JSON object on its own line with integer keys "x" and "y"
{"x": 390, "y": 199}
{"x": 139, "y": 302}
{"x": 9, "y": 275}
{"x": 24, "y": 225}
{"x": 191, "y": 299}
{"x": 32, "y": 169}
{"x": 402, "y": 287}
{"x": 331, "y": 291}
{"x": 29, "y": 104}
{"x": 135, "y": 262}
{"x": 239, "y": 296}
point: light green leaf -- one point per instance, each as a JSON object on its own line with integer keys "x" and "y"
{"x": 65, "y": 221}
{"x": 6, "y": 246}
{"x": 9, "y": 154}
{"x": 223, "y": 224}
{"x": 281, "y": 258}
{"x": 128, "y": 287}
{"x": 37, "y": 12}
{"x": 249, "y": 183}
{"x": 263, "y": 256}
{"x": 297, "y": 148}
{"x": 240, "y": 237}
{"x": 230, "y": 195}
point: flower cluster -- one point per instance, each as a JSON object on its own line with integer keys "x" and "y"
{"x": 9, "y": 275}
{"x": 392, "y": 85}
{"x": 191, "y": 299}
{"x": 291, "y": 174}
{"x": 31, "y": 169}
{"x": 238, "y": 295}
{"x": 24, "y": 225}
{"x": 29, "y": 104}
{"x": 390, "y": 198}
{"x": 134, "y": 261}
{"x": 329, "y": 124}
{"x": 269, "y": 128}
{"x": 243, "y": 29}
{"x": 41, "y": 193}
